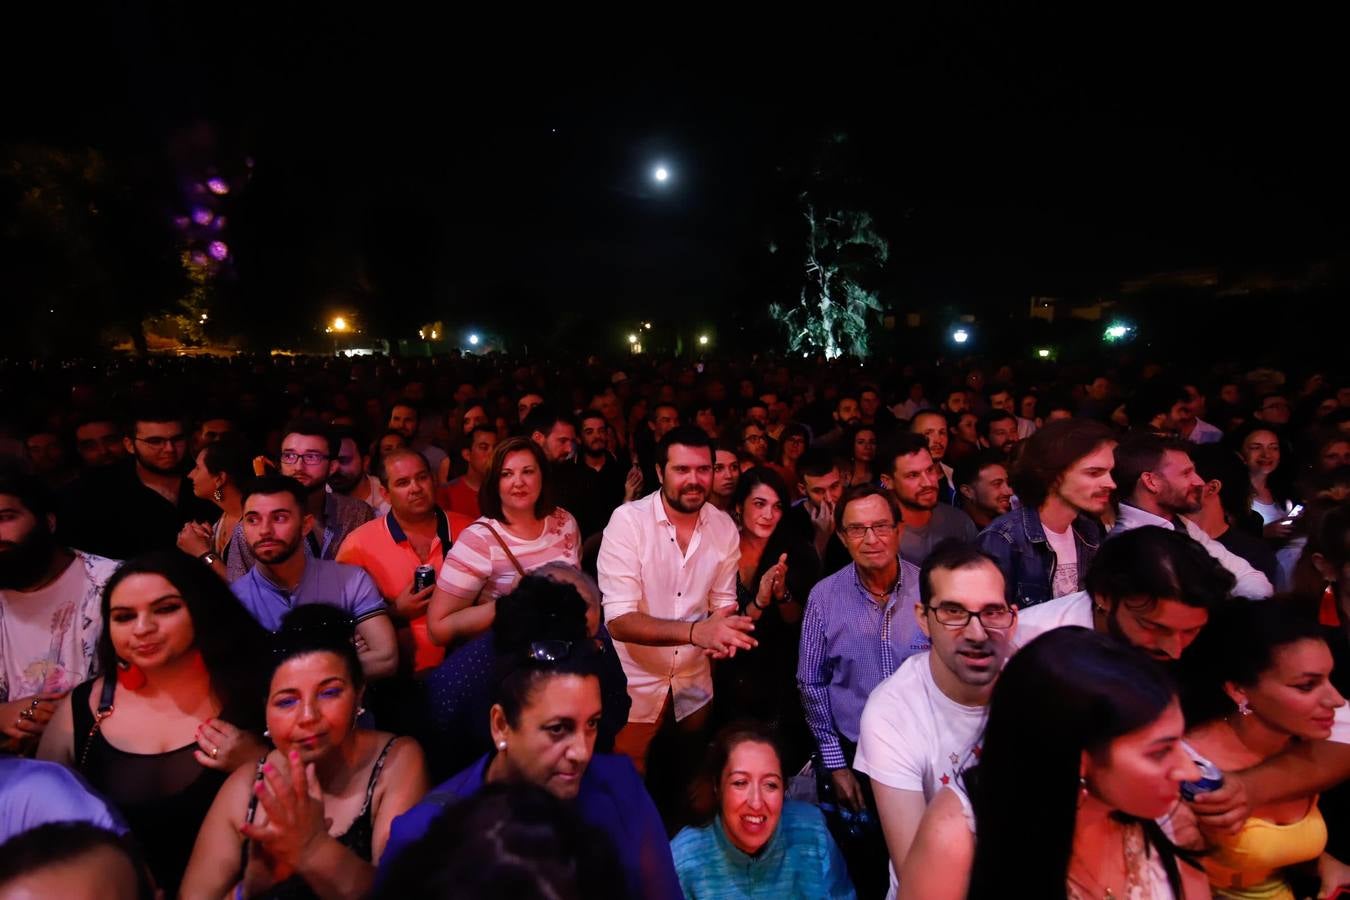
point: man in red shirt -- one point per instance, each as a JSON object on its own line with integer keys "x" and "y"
{"x": 461, "y": 494}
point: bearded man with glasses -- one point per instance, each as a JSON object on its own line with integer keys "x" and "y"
{"x": 126, "y": 509}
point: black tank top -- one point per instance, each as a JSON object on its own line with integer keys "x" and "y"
{"x": 358, "y": 838}
{"x": 163, "y": 796}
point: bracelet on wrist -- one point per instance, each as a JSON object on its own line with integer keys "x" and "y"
{"x": 691, "y": 633}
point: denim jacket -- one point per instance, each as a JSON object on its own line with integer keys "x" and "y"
{"x": 1016, "y": 540}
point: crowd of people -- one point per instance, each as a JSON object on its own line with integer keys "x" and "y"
{"x": 472, "y": 627}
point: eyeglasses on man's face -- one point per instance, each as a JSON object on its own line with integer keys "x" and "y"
{"x": 311, "y": 457}
{"x": 954, "y": 615}
{"x": 159, "y": 443}
{"x": 882, "y": 530}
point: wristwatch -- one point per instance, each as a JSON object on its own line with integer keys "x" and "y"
{"x": 209, "y": 557}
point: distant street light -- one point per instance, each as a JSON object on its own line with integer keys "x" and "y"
{"x": 662, "y": 174}
{"x": 960, "y": 335}
{"x": 703, "y": 339}
{"x": 339, "y": 324}
{"x": 632, "y": 339}
{"x": 473, "y": 340}
{"x": 1043, "y": 353}
{"x": 1117, "y": 331}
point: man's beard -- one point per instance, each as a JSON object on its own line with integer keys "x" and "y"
{"x": 676, "y": 502}
{"x": 281, "y": 555}
{"x": 24, "y": 562}
{"x": 343, "y": 483}
{"x": 175, "y": 469}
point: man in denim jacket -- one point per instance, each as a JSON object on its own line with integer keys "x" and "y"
{"x": 1063, "y": 479}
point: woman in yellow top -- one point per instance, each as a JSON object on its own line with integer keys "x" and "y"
{"x": 1263, "y": 684}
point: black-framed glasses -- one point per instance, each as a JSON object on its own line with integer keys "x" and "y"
{"x": 311, "y": 457}
{"x": 954, "y": 615}
{"x": 159, "y": 443}
{"x": 882, "y": 530}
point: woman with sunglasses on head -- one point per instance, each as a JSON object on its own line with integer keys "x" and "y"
{"x": 749, "y": 841}
{"x": 521, "y": 529}
{"x": 311, "y": 818}
{"x": 544, "y": 720}
{"x": 176, "y": 711}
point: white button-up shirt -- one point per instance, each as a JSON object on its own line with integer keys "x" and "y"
{"x": 1250, "y": 582}
{"x": 642, "y": 570}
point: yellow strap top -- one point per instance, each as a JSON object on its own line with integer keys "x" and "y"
{"x": 1247, "y": 865}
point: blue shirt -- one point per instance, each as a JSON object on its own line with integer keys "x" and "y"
{"x": 850, "y": 644}
{"x": 34, "y": 792}
{"x": 348, "y": 588}
{"x": 799, "y": 860}
{"x": 612, "y": 799}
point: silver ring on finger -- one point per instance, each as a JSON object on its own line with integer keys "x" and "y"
{"x": 26, "y": 714}
{"x": 215, "y": 752}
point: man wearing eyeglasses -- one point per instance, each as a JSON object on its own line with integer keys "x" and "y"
{"x": 121, "y": 511}
{"x": 921, "y": 727}
{"x": 856, "y": 631}
{"x": 309, "y": 455}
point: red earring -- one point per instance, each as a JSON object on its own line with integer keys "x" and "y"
{"x": 1328, "y": 611}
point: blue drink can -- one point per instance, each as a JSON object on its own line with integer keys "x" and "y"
{"x": 1211, "y": 777}
{"x": 423, "y": 578}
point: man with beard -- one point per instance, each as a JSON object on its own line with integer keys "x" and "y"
{"x": 1158, "y": 485}
{"x": 602, "y": 482}
{"x": 414, "y": 532}
{"x": 1150, "y": 587}
{"x": 122, "y": 511}
{"x": 275, "y": 527}
{"x": 349, "y": 476}
{"x": 983, "y": 486}
{"x": 1063, "y": 478}
{"x": 909, "y": 472}
{"x": 921, "y": 727}
{"x": 309, "y": 454}
{"x": 998, "y": 431}
{"x": 933, "y": 425}
{"x": 667, "y": 573}
{"x": 99, "y": 441}
{"x": 50, "y": 617}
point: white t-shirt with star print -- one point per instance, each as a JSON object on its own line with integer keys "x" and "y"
{"x": 913, "y": 737}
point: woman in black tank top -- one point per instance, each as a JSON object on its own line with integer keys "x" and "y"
{"x": 315, "y": 812}
{"x": 178, "y": 713}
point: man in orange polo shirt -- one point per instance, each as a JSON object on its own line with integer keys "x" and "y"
{"x": 414, "y": 533}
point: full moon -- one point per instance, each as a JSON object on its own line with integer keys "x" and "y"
{"x": 661, "y": 173}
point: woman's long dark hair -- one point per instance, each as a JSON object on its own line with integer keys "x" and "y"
{"x": 803, "y": 564}
{"x": 232, "y": 644}
{"x": 1281, "y": 481}
{"x": 1067, "y": 691}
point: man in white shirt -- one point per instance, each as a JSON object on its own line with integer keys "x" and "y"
{"x": 1151, "y": 587}
{"x": 1158, "y": 485}
{"x": 50, "y": 611}
{"x": 921, "y": 727}
{"x": 667, "y": 572}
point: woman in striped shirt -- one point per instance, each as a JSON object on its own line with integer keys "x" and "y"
{"x": 520, "y": 530}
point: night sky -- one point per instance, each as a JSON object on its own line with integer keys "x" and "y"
{"x": 456, "y": 166}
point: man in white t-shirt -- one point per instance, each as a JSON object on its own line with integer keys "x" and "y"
{"x": 50, "y": 618}
{"x": 1151, "y": 587}
{"x": 921, "y": 727}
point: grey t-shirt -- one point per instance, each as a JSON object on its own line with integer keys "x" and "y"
{"x": 947, "y": 522}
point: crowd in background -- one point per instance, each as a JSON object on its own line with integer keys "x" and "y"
{"x": 294, "y": 626}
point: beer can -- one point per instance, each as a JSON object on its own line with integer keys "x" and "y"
{"x": 1211, "y": 776}
{"x": 423, "y": 578}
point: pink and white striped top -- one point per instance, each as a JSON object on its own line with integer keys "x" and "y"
{"x": 477, "y": 566}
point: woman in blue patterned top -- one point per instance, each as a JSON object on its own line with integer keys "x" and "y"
{"x": 756, "y": 843}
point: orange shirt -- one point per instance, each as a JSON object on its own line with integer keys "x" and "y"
{"x": 383, "y": 550}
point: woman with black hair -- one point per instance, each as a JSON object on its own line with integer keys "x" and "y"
{"x": 177, "y": 710}
{"x": 219, "y": 475}
{"x": 544, "y": 720}
{"x": 312, "y": 817}
{"x": 1081, "y": 755}
{"x": 1262, "y": 683}
{"x": 776, "y": 572}
{"x": 1272, "y": 475}
{"x": 861, "y": 442}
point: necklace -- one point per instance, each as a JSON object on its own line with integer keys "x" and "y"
{"x": 1136, "y": 886}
